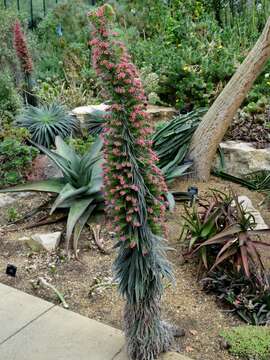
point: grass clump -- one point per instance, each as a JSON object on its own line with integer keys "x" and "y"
{"x": 249, "y": 342}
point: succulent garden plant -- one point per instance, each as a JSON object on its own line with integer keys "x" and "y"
{"x": 46, "y": 122}
{"x": 133, "y": 192}
{"x": 79, "y": 189}
{"x": 223, "y": 233}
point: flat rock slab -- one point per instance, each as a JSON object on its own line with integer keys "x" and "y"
{"x": 34, "y": 329}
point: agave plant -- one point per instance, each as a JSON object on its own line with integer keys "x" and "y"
{"x": 46, "y": 122}
{"x": 79, "y": 189}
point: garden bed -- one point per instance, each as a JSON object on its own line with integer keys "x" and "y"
{"x": 185, "y": 305}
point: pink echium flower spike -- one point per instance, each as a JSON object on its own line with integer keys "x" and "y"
{"x": 20, "y": 45}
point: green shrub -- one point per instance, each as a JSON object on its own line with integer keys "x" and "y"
{"x": 10, "y": 101}
{"x": 193, "y": 56}
{"x": 81, "y": 145}
{"x": 249, "y": 342}
{"x": 15, "y": 159}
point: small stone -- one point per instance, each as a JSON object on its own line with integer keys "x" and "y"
{"x": 248, "y": 207}
{"x": 38, "y": 242}
{"x": 224, "y": 345}
{"x": 8, "y": 199}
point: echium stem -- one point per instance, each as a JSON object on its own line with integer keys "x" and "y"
{"x": 133, "y": 191}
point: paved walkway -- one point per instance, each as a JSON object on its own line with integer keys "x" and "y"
{"x": 34, "y": 329}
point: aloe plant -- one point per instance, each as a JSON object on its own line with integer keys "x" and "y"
{"x": 79, "y": 189}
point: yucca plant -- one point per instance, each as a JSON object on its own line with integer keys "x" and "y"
{"x": 79, "y": 189}
{"x": 46, "y": 122}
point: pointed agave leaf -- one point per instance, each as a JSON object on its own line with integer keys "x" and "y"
{"x": 192, "y": 242}
{"x": 94, "y": 152}
{"x": 95, "y": 186}
{"x": 231, "y": 230}
{"x": 80, "y": 225}
{"x": 51, "y": 185}
{"x": 209, "y": 225}
{"x": 59, "y": 161}
{"x": 254, "y": 254}
{"x": 204, "y": 257}
{"x": 176, "y": 172}
{"x": 226, "y": 246}
{"x": 244, "y": 258}
{"x": 75, "y": 212}
{"x": 68, "y": 193}
{"x": 64, "y": 150}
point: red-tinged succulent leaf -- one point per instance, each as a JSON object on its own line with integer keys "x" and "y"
{"x": 230, "y": 230}
{"x": 254, "y": 254}
{"x": 226, "y": 246}
{"x": 261, "y": 244}
{"x": 244, "y": 258}
{"x": 204, "y": 257}
{"x": 229, "y": 253}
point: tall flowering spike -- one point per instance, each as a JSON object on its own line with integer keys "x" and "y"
{"x": 133, "y": 190}
{"x": 20, "y": 45}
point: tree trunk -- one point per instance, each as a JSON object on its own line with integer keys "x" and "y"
{"x": 216, "y": 121}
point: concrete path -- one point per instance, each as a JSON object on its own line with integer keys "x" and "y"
{"x": 34, "y": 329}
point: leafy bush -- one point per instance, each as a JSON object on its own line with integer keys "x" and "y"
{"x": 9, "y": 131}
{"x": 191, "y": 53}
{"x": 10, "y": 101}
{"x": 46, "y": 122}
{"x": 249, "y": 342}
{"x": 79, "y": 189}
{"x": 247, "y": 297}
{"x": 15, "y": 159}
{"x": 81, "y": 145}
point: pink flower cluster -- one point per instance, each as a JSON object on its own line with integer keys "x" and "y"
{"x": 130, "y": 163}
{"x": 20, "y": 45}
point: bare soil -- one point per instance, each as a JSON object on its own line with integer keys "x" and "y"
{"x": 88, "y": 287}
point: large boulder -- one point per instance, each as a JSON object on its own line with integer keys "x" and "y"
{"x": 157, "y": 113}
{"x": 243, "y": 158}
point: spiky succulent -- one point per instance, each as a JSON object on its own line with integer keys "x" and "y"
{"x": 46, "y": 122}
{"x": 133, "y": 191}
{"x": 79, "y": 189}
